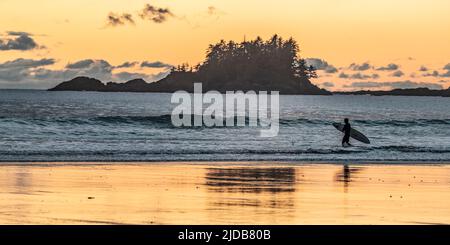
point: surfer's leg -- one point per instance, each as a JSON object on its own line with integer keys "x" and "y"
{"x": 346, "y": 139}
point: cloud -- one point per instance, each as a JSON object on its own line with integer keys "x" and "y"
{"x": 362, "y": 67}
{"x": 423, "y": 68}
{"x": 18, "y": 41}
{"x": 80, "y": 64}
{"x": 19, "y": 33}
{"x": 19, "y": 69}
{"x": 149, "y": 12}
{"x": 331, "y": 69}
{"x": 437, "y": 74}
{"x": 13, "y": 75}
{"x": 212, "y": 10}
{"x": 389, "y": 67}
{"x": 363, "y": 76}
{"x": 433, "y": 74}
{"x": 343, "y": 75}
{"x": 397, "y": 74}
{"x": 155, "y": 14}
{"x": 99, "y": 69}
{"x": 447, "y": 71}
{"x": 126, "y": 76}
{"x": 156, "y": 64}
{"x": 364, "y": 85}
{"x": 30, "y": 73}
{"x": 114, "y": 19}
{"x": 327, "y": 84}
{"x": 127, "y": 64}
{"x": 358, "y": 75}
{"x": 394, "y": 85}
{"x": 320, "y": 64}
{"x": 158, "y": 76}
{"x": 26, "y": 63}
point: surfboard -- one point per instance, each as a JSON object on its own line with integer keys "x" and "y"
{"x": 355, "y": 134}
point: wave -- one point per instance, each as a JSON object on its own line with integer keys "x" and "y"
{"x": 400, "y": 123}
{"x": 411, "y": 149}
{"x": 166, "y": 121}
{"x": 158, "y": 121}
{"x": 405, "y": 123}
{"x": 169, "y": 152}
{"x": 178, "y": 152}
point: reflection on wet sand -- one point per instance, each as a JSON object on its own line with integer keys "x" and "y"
{"x": 22, "y": 182}
{"x": 251, "y": 189}
{"x": 223, "y": 193}
{"x": 253, "y": 180}
{"x": 347, "y": 175}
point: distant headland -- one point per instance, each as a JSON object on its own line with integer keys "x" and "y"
{"x": 402, "y": 92}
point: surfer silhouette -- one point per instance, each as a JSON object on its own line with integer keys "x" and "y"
{"x": 347, "y": 129}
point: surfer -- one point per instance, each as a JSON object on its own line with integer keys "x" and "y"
{"x": 347, "y": 129}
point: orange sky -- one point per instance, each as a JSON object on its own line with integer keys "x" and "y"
{"x": 408, "y": 33}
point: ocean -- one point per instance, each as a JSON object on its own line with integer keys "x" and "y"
{"x": 90, "y": 126}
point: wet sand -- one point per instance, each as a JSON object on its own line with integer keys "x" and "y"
{"x": 224, "y": 193}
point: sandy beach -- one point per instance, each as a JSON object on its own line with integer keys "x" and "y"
{"x": 223, "y": 193}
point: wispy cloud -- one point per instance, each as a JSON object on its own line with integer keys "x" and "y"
{"x": 155, "y": 64}
{"x": 358, "y": 75}
{"x": 155, "y": 14}
{"x": 26, "y": 63}
{"x": 360, "y": 67}
{"x": 213, "y": 11}
{"x": 389, "y": 67}
{"x": 114, "y": 19}
{"x": 127, "y": 64}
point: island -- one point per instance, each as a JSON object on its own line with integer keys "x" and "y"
{"x": 258, "y": 65}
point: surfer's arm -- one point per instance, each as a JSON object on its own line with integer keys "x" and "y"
{"x": 347, "y": 129}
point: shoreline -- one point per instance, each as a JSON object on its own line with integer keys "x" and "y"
{"x": 231, "y": 162}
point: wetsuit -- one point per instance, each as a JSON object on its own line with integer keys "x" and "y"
{"x": 347, "y": 129}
